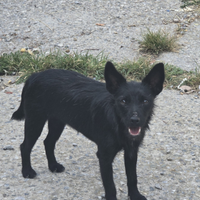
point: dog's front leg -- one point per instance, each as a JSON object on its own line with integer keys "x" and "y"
{"x": 105, "y": 162}
{"x": 130, "y": 164}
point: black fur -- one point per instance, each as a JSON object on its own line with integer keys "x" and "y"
{"x": 114, "y": 115}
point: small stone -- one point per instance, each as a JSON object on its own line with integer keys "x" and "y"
{"x": 158, "y": 187}
{"x": 169, "y": 159}
{"x": 60, "y": 45}
{"x": 151, "y": 188}
{"x": 101, "y": 197}
{"x": 74, "y": 144}
{"x": 77, "y": 2}
{"x": 122, "y": 183}
{"x": 36, "y": 50}
{"x": 168, "y": 151}
{"x": 12, "y": 107}
{"x": 7, "y": 39}
{"x": 67, "y": 50}
{"x": 75, "y": 39}
{"x": 176, "y": 20}
{"x": 181, "y": 181}
{"x": 27, "y": 30}
{"x": 9, "y": 148}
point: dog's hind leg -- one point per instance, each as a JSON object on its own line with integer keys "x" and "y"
{"x": 55, "y": 129}
{"x": 33, "y": 129}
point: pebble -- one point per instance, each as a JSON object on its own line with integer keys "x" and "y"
{"x": 158, "y": 187}
{"x": 176, "y": 20}
{"x": 9, "y": 148}
{"x": 168, "y": 151}
{"x": 12, "y": 107}
{"x": 67, "y": 50}
{"x": 60, "y": 45}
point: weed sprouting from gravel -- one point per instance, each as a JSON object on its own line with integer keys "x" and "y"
{"x": 190, "y": 3}
{"x": 24, "y": 64}
{"x": 157, "y": 42}
{"x": 194, "y": 80}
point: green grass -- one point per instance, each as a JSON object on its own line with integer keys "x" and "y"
{"x": 157, "y": 42}
{"x": 190, "y": 3}
{"x": 24, "y": 64}
{"x": 194, "y": 79}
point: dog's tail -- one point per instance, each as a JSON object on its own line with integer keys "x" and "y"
{"x": 19, "y": 113}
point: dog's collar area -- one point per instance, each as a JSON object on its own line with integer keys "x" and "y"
{"x": 134, "y": 131}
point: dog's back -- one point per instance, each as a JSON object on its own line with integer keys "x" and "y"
{"x": 70, "y": 97}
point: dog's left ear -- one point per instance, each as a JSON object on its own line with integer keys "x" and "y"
{"x": 155, "y": 78}
{"x": 113, "y": 78}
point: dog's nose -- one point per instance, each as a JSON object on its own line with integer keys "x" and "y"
{"x": 135, "y": 119}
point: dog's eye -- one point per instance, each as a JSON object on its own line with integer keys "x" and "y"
{"x": 145, "y": 101}
{"x": 123, "y": 101}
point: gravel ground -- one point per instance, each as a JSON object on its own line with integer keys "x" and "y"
{"x": 169, "y": 159}
{"x": 98, "y": 25}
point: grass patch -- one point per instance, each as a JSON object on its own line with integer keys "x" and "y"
{"x": 194, "y": 80}
{"x": 24, "y": 64}
{"x": 157, "y": 42}
{"x": 190, "y": 3}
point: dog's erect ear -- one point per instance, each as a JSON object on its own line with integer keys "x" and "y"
{"x": 155, "y": 78}
{"x": 113, "y": 78}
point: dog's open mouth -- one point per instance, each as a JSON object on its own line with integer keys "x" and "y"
{"x": 134, "y": 131}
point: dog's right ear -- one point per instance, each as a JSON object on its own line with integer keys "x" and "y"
{"x": 113, "y": 78}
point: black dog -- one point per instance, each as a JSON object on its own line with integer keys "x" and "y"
{"x": 114, "y": 115}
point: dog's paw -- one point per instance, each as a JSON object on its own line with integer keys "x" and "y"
{"x": 29, "y": 173}
{"x": 137, "y": 197}
{"x": 56, "y": 167}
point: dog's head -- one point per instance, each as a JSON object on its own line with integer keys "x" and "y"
{"x": 134, "y": 101}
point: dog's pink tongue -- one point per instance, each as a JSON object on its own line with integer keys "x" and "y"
{"x": 134, "y": 131}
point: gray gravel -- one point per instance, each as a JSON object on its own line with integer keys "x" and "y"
{"x": 169, "y": 159}
{"x": 72, "y": 25}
